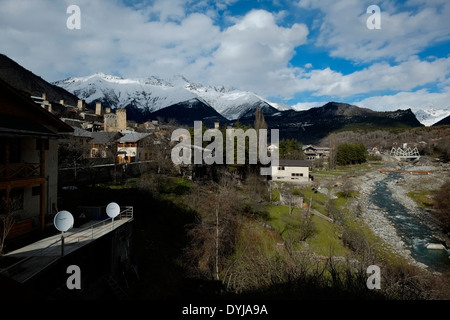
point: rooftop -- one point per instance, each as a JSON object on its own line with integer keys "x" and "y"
{"x": 295, "y": 163}
{"x": 132, "y": 136}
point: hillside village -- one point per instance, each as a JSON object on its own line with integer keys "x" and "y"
{"x": 52, "y": 151}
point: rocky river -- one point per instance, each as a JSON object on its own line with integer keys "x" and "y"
{"x": 402, "y": 225}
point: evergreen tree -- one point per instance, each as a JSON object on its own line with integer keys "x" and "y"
{"x": 351, "y": 153}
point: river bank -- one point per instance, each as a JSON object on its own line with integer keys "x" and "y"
{"x": 399, "y": 185}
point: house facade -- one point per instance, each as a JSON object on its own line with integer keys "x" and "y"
{"x": 134, "y": 146}
{"x": 104, "y": 144}
{"x": 28, "y": 160}
{"x": 295, "y": 171}
{"x": 313, "y": 152}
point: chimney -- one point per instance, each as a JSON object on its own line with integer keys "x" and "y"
{"x": 80, "y": 105}
{"x": 98, "y": 108}
{"x": 61, "y": 101}
{"x": 216, "y": 125}
{"x": 108, "y": 110}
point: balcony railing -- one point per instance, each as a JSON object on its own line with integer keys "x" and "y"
{"x": 20, "y": 171}
{"x": 41, "y": 257}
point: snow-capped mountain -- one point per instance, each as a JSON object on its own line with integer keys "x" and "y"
{"x": 152, "y": 94}
{"x": 430, "y": 116}
{"x": 149, "y": 95}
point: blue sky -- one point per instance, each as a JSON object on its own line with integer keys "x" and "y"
{"x": 303, "y": 53}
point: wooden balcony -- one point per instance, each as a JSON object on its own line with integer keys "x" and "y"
{"x": 20, "y": 174}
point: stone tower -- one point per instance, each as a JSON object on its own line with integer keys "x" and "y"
{"x": 121, "y": 119}
{"x": 98, "y": 108}
{"x": 80, "y": 105}
{"x": 110, "y": 120}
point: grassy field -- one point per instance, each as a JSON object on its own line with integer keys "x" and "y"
{"x": 340, "y": 171}
{"x": 326, "y": 239}
{"x": 422, "y": 198}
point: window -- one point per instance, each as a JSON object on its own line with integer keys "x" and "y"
{"x": 281, "y": 168}
{"x": 15, "y": 150}
{"x": 15, "y": 200}
{"x": 297, "y": 174}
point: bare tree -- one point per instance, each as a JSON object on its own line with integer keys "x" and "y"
{"x": 333, "y": 145}
{"x": 260, "y": 121}
{"x": 214, "y": 235}
{"x": 6, "y": 218}
{"x": 347, "y": 188}
{"x": 7, "y": 222}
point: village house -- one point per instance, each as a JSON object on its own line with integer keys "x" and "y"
{"x": 29, "y": 137}
{"x": 134, "y": 146}
{"x": 296, "y": 171}
{"x": 104, "y": 144}
{"x": 312, "y": 152}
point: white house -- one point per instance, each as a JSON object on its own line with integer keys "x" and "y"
{"x": 296, "y": 171}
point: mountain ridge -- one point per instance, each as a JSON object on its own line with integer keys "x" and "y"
{"x": 152, "y": 94}
{"x": 310, "y": 126}
{"x": 232, "y": 104}
{"x": 32, "y": 84}
{"x": 445, "y": 121}
{"x": 178, "y": 98}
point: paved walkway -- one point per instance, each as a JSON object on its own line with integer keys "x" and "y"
{"x": 35, "y": 257}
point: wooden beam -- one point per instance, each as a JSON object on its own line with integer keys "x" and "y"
{"x": 21, "y": 183}
{"x": 43, "y": 196}
{"x": 7, "y": 154}
{"x": 405, "y": 171}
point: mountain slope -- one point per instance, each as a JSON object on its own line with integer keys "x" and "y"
{"x": 310, "y": 126}
{"x": 430, "y": 116}
{"x": 152, "y": 94}
{"x": 148, "y": 94}
{"x": 26, "y": 81}
{"x": 442, "y": 122}
{"x": 184, "y": 101}
{"x": 185, "y": 113}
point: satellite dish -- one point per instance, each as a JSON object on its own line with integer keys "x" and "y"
{"x": 63, "y": 221}
{"x": 113, "y": 210}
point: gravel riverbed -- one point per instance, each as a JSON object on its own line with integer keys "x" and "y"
{"x": 377, "y": 219}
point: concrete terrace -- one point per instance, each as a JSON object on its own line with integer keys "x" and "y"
{"x": 33, "y": 258}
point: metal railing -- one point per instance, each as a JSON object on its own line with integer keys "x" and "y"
{"x": 77, "y": 239}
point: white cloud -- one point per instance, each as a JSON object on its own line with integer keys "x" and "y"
{"x": 172, "y": 10}
{"x": 406, "y": 75}
{"x": 343, "y": 28}
{"x": 421, "y": 99}
{"x": 308, "y": 105}
{"x": 112, "y": 38}
{"x": 255, "y": 52}
{"x": 160, "y": 40}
